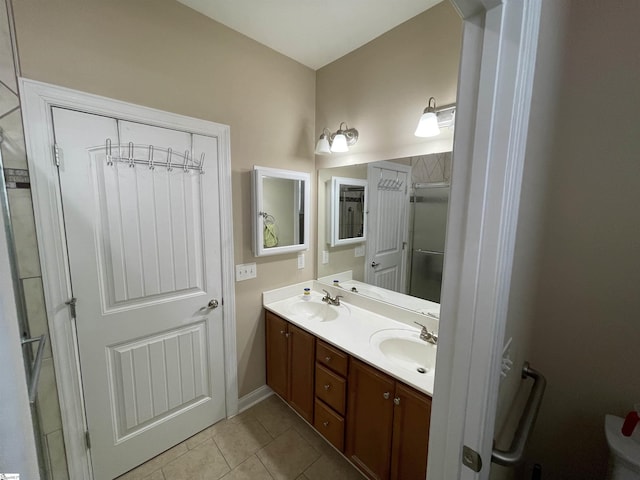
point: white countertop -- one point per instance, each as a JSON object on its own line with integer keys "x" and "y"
{"x": 352, "y": 330}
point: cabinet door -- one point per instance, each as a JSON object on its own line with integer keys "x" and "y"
{"x": 277, "y": 354}
{"x": 411, "y": 419}
{"x": 301, "y": 369}
{"x": 369, "y": 419}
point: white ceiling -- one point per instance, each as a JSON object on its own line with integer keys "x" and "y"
{"x": 313, "y": 32}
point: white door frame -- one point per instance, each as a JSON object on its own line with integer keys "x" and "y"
{"x": 37, "y": 100}
{"x": 494, "y": 97}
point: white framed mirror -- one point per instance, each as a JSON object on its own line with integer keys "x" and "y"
{"x": 347, "y": 211}
{"x": 280, "y": 211}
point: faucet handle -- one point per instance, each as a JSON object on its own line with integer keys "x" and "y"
{"x": 423, "y": 326}
{"x": 327, "y": 296}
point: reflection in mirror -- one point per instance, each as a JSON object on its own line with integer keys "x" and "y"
{"x": 426, "y": 209}
{"x": 347, "y": 200}
{"x": 280, "y": 211}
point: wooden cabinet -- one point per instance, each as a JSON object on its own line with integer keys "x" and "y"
{"x": 387, "y": 425}
{"x": 290, "y": 364}
{"x": 381, "y": 424}
{"x": 410, "y": 445}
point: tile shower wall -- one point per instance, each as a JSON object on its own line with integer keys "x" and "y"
{"x": 433, "y": 168}
{"x": 23, "y": 225}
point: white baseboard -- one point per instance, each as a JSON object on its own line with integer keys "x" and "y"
{"x": 250, "y": 399}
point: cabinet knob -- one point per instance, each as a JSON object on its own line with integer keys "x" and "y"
{"x": 325, "y": 423}
{"x": 386, "y": 395}
{"x": 282, "y": 332}
{"x": 327, "y": 386}
{"x": 396, "y": 400}
{"x": 327, "y": 358}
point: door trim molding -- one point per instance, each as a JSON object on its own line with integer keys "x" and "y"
{"x": 37, "y": 99}
{"x": 497, "y": 69}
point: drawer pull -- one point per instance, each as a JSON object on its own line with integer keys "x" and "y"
{"x": 325, "y": 423}
{"x": 327, "y": 359}
{"x": 327, "y": 386}
{"x": 386, "y": 395}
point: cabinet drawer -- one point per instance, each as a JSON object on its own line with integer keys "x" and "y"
{"x": 329, "y": 424}
{"x": 333, "y": 358}
{"x": 331, "y": 389}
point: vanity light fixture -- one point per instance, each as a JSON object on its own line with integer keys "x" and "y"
{"x": 433, "y": 118}
{"x": 340, "y": 141}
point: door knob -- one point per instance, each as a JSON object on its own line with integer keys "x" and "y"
{"x": 212, "y": 304}
{"x": 374, "y": 264}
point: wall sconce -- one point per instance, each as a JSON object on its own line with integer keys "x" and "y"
{"x": 340, "y": 141}
{"x": 434, "y": 118}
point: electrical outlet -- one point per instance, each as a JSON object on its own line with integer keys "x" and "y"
{"x": 301, "y": 260}
{"x": 359, "y": 252}
{"x": 325, "y": 257}
{"x": 246, "y": 271}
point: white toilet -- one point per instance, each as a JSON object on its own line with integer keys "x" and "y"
{"x": 624, "y": 458}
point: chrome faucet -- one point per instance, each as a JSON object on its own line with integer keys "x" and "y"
{"x": 426, "y": 335}
{"x": 331, "y": 301}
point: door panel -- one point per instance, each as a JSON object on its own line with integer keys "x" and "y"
{"x": 370, "y": 398}
{"x": 277, "y": 354}
{"x": 411, "y": 421}
{"x": 144, "y": 257}
{"x": 302, "y": 353}
{"x": 387, "y": 225}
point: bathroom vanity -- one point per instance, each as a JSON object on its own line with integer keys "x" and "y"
{"x": 358, "y": 372}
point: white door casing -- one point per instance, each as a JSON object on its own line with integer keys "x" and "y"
{"x": 493, "y": 104}
{"x": 387, "y": 225}
{"x": 38, "y": 99}
{"x": 144, "y": 254}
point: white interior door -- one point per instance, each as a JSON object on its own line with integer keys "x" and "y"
{"x": 387, "y": 225}
{"x": 144, "y": 254}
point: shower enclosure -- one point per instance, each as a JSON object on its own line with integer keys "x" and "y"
{"x": 429, "y": 205}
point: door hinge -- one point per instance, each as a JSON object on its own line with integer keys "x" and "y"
{"x": 56, "y": 154}
{"x": 72, "y": 306}
{"x": 222, "y": 301}
{"x": 87, "y": 439}
{"x": 471, "y": 459}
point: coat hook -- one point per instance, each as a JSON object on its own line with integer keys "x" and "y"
{"x": 186, "y": 160}
{"x": 151, "y": 166}
{"x": 107, "y": 148}
{"x": 169, "y": 152}
{"x": 131, "y": 160}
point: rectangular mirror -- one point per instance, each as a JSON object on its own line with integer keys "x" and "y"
{"x": 280, "y": 213}
{"x": 347, "y": 218}
{"x": 419, "y": 240}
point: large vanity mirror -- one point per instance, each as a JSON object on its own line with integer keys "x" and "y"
{"x": 400, "y": 257}
{"x": 280, "y": 214}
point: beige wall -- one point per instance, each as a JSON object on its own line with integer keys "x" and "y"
{"x": 587, "y": 328}
{"x": 162, "y": 54}
{"x": 382, "y": 88}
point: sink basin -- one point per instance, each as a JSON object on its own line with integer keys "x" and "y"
{"x": 405, "y": 349}
{"x": 317, "y": 310}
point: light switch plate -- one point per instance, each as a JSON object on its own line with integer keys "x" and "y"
{"x": 301, "y": 260}
{"x": 245, "y": 271}
{"x": 359, "y": 252}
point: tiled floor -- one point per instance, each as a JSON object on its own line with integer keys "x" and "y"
{"x": 268, "y": 441}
